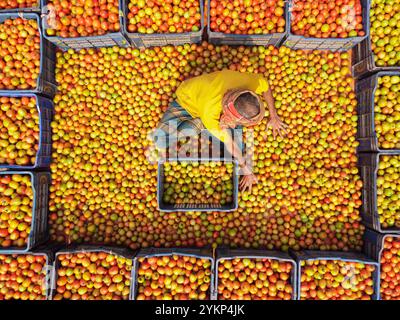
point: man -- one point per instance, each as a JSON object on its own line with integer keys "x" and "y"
{"x": 217, "y": 102}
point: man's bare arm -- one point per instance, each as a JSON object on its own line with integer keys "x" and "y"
{"x": 234, "y": 150}
{"x": 248, "y": 178}
{"x": 275, "y": 122}
{"x": 269, "y": 99}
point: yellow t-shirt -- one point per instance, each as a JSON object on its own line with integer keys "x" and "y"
{"x": 202, "y": 96}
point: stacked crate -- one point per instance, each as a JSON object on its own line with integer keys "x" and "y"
{"x": 37, "y": 172}
{"x": 374, "y": 151}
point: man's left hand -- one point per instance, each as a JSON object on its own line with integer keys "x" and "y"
{"x": 277, "y": 126}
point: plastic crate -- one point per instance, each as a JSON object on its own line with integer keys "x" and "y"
{"x": 333, "y": 44}
{"x": 28, "y": 9}
{"x": 49, "y": 254}
{"x": 140, "y": 40}
{"x": 46, "y": 83}
{"x": 364, "y": 62}
{"x": 160, "y": 252}
{"x": 374, "y": 244}
{"x": 365, "y": 90}
{"x": 369, "y": 164}
{"x": 374, "y": 241}
{"x": 39, "y": 228}
{"x": 74, "y": 249}
{"x": 107, "y": 40}
{"x": 195, "y": 207}
{"x": 45, "y": 109}
{"x": 307, "y": 255}
{"x": 230, "y": 254}
{"x": 220, "y": 38}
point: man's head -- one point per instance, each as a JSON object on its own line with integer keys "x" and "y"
{"x": 241, "y": 107}
{"x": 247, "y": 105}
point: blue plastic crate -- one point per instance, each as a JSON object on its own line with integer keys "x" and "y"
{"x": 195, "y": 207}
{"x": 334, "y": 44}
{"x": 74, "y": 249}
{"x": 275, "y": 39}
{"x": 48, "y": 267}
{"x": 307, "y": 255}
{"x": 369, "y": 165}
{"x": 100, "y": 41}
{"x": 366, "y": 135}
{"x": 230, "y": 254}
{"x": 139, "y": 40}
{"x": 162, "y": 252}
{"x": 45, "y": 110}
{"x": 46, "y": 83}
{"x": 39, "y": 228}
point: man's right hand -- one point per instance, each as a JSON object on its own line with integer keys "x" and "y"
{"x": 248, "y": 180}
{"x": 277, "y": 126}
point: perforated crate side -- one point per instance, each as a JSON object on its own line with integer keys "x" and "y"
{"x": 40, "y": 222}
